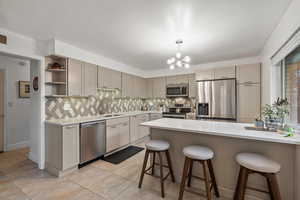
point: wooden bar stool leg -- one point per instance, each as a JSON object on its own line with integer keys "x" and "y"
{"x": 161, "y": 175}
{"x": 237, "y": 188}
{"x": 243, "y": 184}
{"x": 170, "y": 166}
{"x": 213, "y": 178}
{"x": 190, "y": 173}
{"x": 184, "y": 176}
{"x": 153, "y": 164}
{"x": 206, "y": 179}
{"x": 275, "y": 192}
{"x": 144, "y": 168}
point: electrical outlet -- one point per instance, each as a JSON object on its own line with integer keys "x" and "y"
{"x": 67, "y": 107}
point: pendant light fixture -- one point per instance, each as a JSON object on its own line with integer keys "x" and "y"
{"x": 179, "y": 60}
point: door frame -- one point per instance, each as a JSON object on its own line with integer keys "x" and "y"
{"x": 5, "y": 110}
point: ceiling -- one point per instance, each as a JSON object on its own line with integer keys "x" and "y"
{"x": 142, "y": 33}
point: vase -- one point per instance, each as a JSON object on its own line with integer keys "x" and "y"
{"x": 274, "y": 123}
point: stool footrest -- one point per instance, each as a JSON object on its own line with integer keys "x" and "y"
{"x": 256, "y": 189}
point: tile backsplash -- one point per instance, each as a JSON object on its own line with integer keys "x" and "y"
{"x": 105, "y": 101}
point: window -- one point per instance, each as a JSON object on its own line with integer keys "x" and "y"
{"x": 291, "y": 80}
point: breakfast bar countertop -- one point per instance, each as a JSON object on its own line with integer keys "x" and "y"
{"x": 225, "y": 129}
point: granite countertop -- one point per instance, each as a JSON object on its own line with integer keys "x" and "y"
{"x": 73, "y": 121}
{"x": 225, "y": 129}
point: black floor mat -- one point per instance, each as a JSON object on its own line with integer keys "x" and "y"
{"x": 122, "y": 155}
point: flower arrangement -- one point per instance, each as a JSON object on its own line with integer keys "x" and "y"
{"x": 275, "y": 115}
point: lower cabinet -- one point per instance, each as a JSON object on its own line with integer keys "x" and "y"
{"x": 154, "y": 116}
{"x": 62, "y": 148}
{"x": 136, "y": 130}
{"x": 117, "y": 133}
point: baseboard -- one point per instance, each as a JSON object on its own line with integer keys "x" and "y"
{"x": 18, "y": 145}
{"x": 33, "y": 157}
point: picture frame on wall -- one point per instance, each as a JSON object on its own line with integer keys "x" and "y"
{"x": 24, "y": 89}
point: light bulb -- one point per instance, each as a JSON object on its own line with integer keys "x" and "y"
{"x": 187, "y": 59}
{"x": 179, "y": 63}
{"x": 186, "y": 65}
{"x": 172, "y": 67}
{"x": 178, "y": 55}
{"x": 169, "y": 61}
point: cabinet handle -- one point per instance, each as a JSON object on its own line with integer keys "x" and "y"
{"x": 69, "y": 127}
{"x": 112, "y": 126}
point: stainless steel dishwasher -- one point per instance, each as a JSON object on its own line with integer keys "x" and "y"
{"x": 92, "y": 140}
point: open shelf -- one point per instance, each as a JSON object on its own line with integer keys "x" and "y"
{"x": 56, "y": 76}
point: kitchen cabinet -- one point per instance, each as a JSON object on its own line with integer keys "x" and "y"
{"x": 117, "y": 133}
{"x": 205, "y": 75}
{"x": 109, "y": 78}
{"x": 75, "y": 81}
{"x": 90, "y": 79}
{"x": 249, "y": 73}
{"x": 154, "y": 116}
{"x": 179, "y": 79}
{"x": 140, "y": 87}
{"x": 159, "y": 87}
{"x": 82, "y": 78}
{"x": 192, "y": 86}
{"x": 248, "y": 102}
{"x": 62, "y": 148}
{"x": 136, "y": 130}
{"x": 128, "y": 85}
{"x": 149, "y": 88}
{"x": 224, "y": 72}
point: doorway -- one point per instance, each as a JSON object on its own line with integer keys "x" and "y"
{"x": 2, "y": 79}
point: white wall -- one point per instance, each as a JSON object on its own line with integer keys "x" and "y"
{"x": 16, "y": 117}
{"x": 288, "y": 24}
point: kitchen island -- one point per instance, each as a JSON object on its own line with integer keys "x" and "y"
{"x": 227, "y": 139}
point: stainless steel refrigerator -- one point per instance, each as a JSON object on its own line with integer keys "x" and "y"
{"x": 217, "y": 99}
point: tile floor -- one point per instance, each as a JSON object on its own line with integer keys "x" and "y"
{"x": 20, "y": 179}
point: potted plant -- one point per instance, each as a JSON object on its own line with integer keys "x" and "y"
{"x": 275, "y": 115}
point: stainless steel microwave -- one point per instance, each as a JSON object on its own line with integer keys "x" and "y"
{"x": 177, "y": 90}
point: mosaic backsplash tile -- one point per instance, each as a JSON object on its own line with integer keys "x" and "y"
{"x": 105, "y": 101}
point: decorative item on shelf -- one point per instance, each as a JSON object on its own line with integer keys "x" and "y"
{"x": 179, "y": 60}
{"x": 259, "y": 123}
{"x": 56, "y": 66}
{"x": 24, "y": 89}
{"x": 275, "y": 115}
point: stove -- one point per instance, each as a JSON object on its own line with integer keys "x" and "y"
{"x": 178, "y": 112}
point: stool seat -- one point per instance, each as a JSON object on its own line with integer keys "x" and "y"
{"x": 157, "y": 145}
{"x": 257, "y": 162}
{"x": 198, "y": 152}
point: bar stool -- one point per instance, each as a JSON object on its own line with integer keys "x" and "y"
{"x": 157, "y": 147}
{"x": 251, "y": 163}
{"x": 204, "y": 156}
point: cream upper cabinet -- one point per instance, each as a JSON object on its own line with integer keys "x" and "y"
{"x": 149, "y": 88}
{"x": 205, "y": 75}
{"x": 248, "y": 102}
{"x": 192, "y": 85}
{"x": 75, "y": 81}
{"x": 109, "y": 78}
{"x": 90, "y": 79}
{"x": 159, "y": 87}
{"x": 177, "y": 79}
{"x": 224, "y": 72}
{"x": 128, "y": 85}
{"x": 249, "y": 73}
